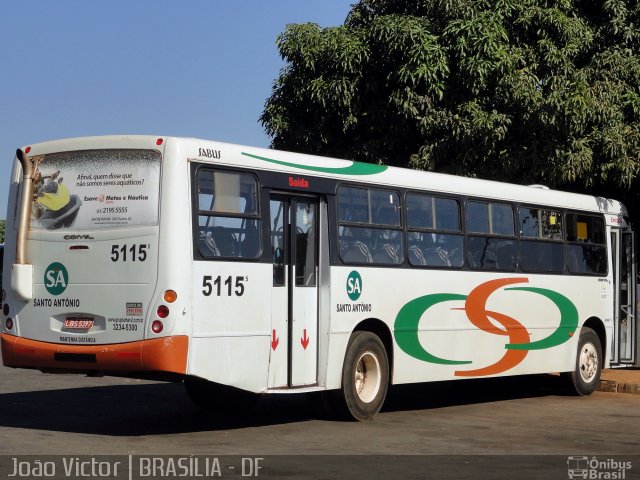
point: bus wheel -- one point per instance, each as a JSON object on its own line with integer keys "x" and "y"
{"x": 586, "y": 376}
{"x": 215, "y": 397}
{"x": 365, "y": 378}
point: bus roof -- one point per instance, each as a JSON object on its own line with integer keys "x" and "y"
{"x": 343, "y": 170}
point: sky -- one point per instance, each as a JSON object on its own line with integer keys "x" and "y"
{"x": 196, "y": 68}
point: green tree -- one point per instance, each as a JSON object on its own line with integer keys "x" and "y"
{"x": 2, "y": 227}
{"x": 515, "y": 90}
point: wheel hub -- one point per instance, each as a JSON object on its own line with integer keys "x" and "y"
{"x": 367, "y": 377}
{"x": 588, "y": 362}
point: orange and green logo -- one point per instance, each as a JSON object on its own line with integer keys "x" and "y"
{"x": 518, "y": 340}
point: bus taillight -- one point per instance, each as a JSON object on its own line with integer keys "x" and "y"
{"x": 163, "y": 311}
{"x": 156, "y": 326}
{"x": 5, "y": 309}
{"x": 9, "y": 324}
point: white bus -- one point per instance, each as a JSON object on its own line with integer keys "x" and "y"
{"x": 246, "y": 271}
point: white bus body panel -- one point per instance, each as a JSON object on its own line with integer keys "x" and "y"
{"x": 445, "y": 331}
{"x": 231, "y": 331}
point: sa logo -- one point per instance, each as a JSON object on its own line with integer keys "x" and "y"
{"x": 354, "y": 285}
{"x": 56, "y": 278}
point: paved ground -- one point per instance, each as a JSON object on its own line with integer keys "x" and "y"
{"x": 68, "y": 414}
{"x": 464, "y": 429}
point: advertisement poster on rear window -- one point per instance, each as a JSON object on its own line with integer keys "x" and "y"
{"x": 99, "y": 189}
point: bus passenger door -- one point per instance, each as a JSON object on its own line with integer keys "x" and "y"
{"x": 624, "y": 282}
{"x": 294, "y": 322}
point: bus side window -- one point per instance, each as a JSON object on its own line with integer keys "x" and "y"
{"x": 370, "y": 229}
{"x": 586, "y": 244}
{"x": 435, "y": 239}
{"x": 541, "y": 237}
{"x": 491, "y": 241}
{"x": 228, "y": 215}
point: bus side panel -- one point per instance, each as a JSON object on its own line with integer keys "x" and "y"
{"x": 231, "y": 323}
{"x": 240, "y": 362}
{"x": 450, "y": 324}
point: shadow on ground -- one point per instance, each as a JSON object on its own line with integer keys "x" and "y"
{"x": 158, "y": 408}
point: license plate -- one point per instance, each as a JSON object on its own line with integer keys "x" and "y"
{"x": 78, "y": 323}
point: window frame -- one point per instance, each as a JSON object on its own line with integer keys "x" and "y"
{"x": 540, "y": 240}
{"x": 435, "y": 229}
{"x": 399, "y": 228}
{"x": 490, "y": 235}
{"x": 516, "y": 242}
{"x": 605, "y": 245}
{"x": 198, "y": 213}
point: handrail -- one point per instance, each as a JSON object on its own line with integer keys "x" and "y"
{"x": 627, "y": 310}
{"x": 25, "y": 206}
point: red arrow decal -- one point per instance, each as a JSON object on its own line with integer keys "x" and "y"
{"x": 304, "y": 340}
{"x": 274, "y": 340}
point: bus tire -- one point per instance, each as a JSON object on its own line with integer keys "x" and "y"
{"x": 585, "y": 377}
{"x": 365, "y": 378}
{"x": 215, "y": 397}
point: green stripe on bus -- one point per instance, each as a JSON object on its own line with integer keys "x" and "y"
{"x": 406, "y": 327}
{"x": 356, "y": 168}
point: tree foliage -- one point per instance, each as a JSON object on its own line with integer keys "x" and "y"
{"x": 516, "y": 90}
{"x": 2, "y": 227}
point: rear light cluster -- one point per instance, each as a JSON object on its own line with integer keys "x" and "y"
{"x": 156, "y": 326}
{"x": 163, "y": 311}
{"x": 8, "y": 323}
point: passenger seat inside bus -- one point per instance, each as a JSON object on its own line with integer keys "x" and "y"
{"x": 386, "y": 254}
{"x": 386, "y": 251}
{"x": 416, "y": 257}
{"x": 356, "y": 250}
{"x": 250, "y": 246}
{"x": 226, "y": 241}
{"x": 207, "y": 246}
{"x": 423, "y": 251}
{"x": 438, "y": 257}
{"x": 219, "y": 243}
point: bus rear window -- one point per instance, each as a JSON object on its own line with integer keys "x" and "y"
{"x": 96, "y": 190}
